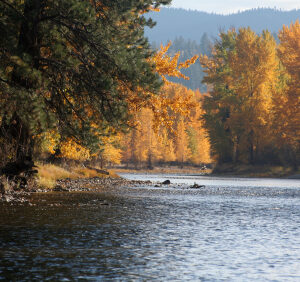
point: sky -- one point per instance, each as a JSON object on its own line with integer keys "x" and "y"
{"x": 232, "y": 6}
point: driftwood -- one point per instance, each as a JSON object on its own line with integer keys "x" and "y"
{"x": 98, "y": 170}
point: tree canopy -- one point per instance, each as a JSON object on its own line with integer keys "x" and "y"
{"x": 71, "y": 64}
{"x": 252, "y": 110}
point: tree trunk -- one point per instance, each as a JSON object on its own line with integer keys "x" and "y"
{"x": 18, "y": 134}
{"x": 251, "y": 147}
{"x": 236, "y": 152}
{"x": 150, "y": 160}
{"x": 18, "y": 129}
{"x": 15, "y": 130}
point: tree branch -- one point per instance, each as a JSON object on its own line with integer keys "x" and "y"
{"x": 13, "y": 8}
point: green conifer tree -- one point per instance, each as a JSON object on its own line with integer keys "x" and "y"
{"x": 66, "y": 64}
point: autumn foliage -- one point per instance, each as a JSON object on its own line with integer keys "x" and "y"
{"x": 184, "y": 140}
{"x": 252, "y": 112}
{"x": 166, "y": 127}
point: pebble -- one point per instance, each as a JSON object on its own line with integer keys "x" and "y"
{"x": 95, "y": 183}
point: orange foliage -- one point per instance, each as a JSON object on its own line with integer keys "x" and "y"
{"x": 182, "y": 140}
{"x": 71, "y": 150}
{"x": 169, "y": 66}
{"x": 287, "y": 103}
{"x": 110, "y": 152}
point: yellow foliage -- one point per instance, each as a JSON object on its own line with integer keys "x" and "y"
{"x": 287, "y": 102}
{"x": 169, "y": 66}
{"x": 165, "y": 139}
{"x": 111, "y": 151}
{"x": 156, "y": 112}
{"x": 243, "y": 71}
{"x": 51, "y": 140}
{"x": 151, "y": 8}
{"x": 71, "y": 150}
{"x": 175, "y": 99}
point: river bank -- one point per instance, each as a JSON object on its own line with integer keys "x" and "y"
{"x": 92, "y": 184}
{"x": 257, "y": 171}
{"x": 74, "y": 180}
{"x": 225, "y": 170}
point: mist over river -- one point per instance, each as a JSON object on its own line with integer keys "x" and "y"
{"x": 232, "y": 229}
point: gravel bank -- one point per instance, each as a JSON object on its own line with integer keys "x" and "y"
{"x": 71, "y": 185}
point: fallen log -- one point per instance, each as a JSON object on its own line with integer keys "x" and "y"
{"x": 98, "y": 170}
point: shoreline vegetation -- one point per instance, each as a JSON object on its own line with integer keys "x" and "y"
{"x": 62, "y": 178}
{"x": 95, "y": 91}
{"x": 55, "y": 178}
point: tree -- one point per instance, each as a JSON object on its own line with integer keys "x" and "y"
{"x": 205, "y": 44}
{"x": 254, "y": 65}
{"x": 216, "y": 105}
{"x": 65, "y": 64}
{"x": 198, "y": 141}
{"x": 287, "y": 101}
{"x": 181, "y": 142}
{"x": 243, "y": 72}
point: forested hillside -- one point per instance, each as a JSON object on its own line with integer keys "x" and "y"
{"x": 172, "y": 23}
{"x": 193, "y": 32}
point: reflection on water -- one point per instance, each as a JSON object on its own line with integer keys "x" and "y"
{"x": 238, "y": 232}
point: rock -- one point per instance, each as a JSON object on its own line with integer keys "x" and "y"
{"x": 104, "y": 203}
{"x": 8, "y": 198}
{"x": 197, "y": 186}
{"x": 166, "y": 182}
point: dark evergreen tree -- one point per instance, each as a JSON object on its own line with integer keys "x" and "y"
{"x": 205, "y": 44}
{"x": 67, "y": 63}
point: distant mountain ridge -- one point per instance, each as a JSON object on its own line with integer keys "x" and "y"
{"x": 193, "y": 32}
{"x": 189, "y": 24}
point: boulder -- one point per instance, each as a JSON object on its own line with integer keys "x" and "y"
{"x": 197, "y": 186}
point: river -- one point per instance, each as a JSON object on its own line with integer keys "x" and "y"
{"x": 230, "y": 230}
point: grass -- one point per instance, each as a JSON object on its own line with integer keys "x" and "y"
{"x": 48, "y": 174}
{"x": 166, "y": 170}
{"x": 6, "y": 186}
{"x": 240, "y": 170}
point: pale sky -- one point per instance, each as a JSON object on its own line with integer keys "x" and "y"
{"x": 231, "y": 6}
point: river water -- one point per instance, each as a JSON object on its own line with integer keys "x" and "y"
{"x": 230, "y": 230}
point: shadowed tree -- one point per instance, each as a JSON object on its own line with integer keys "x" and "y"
{"x": 63, "y": 64}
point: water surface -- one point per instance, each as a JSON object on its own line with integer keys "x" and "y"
{"x": 233, "y": 229}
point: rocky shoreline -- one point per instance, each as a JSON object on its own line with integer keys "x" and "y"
{"x": 71, "y": 185}
{"x": 92, "y": 184}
